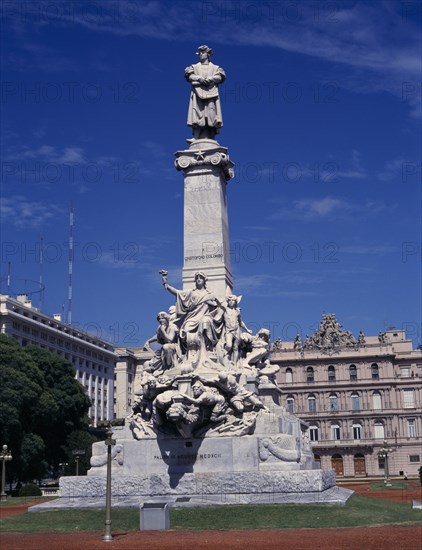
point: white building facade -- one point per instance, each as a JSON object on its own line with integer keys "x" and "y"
{"x": 92, "y": 358}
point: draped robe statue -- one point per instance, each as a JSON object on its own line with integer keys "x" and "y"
{"x": 204, "y": 115}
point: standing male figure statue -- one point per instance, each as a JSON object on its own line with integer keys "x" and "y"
{"x": 204, "y": 115}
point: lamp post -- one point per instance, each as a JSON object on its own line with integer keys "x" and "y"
{"x": 109, "y": 442}
{"x": 383, "y": 453}
{"x": 4, "y": 456}
{"x": 77, "y": 454}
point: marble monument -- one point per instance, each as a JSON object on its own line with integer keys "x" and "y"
{"x": 207, "y": 425}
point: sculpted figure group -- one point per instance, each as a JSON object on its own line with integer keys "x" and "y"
{"x": 203, "y": 375}
{"x": 195, "y": 381}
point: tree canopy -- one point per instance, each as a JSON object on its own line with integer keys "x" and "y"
{"x": 43, "y": 409}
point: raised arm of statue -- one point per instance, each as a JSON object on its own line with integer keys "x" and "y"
{"x": 171, "y": 289}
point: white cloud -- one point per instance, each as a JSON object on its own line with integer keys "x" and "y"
{"x": 48, "y": 153}
{"x": 315, "y": 209}
{"x": 277, "y": 285}
{"x": 24, "y": 214}
{"x": 375, "y": 249}
{"x": 377, "y": 40}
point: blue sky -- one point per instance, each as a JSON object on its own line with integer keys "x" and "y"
{"x": 322, "y": 117}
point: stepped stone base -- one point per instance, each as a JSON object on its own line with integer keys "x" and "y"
{"x": 196, "y": 490}
{"x": 185, "y": 485}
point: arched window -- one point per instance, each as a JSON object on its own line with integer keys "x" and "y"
{"x": 357, "y": 431}
{"x": 333, "y": 402}
{"x": 314, "y": 433}
{"x": 355, "y": 402}
{"x": 379, "y": 432}
{"x": 289, "y": 376}
{"x": 311, "y": 403}
{"x": 335, "y": 432}
{"x": 375, "y": 371}
{"x": 290, "y": 404}
{"x": 353, "y": 373}
{"x": 376, "y": 401}
{"x": 331, "y": 374}
{"x": 310, "y": 375}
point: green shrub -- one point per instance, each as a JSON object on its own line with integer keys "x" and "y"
{"x": 420, "y": 474}
{"x": 30, "y": 490}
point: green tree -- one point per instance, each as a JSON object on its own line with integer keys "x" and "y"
{"x": 63, "y": 404}
{"x": 41, "y": 406}
{"x": 32, "y": 458}
{"x": 21, "y": 386}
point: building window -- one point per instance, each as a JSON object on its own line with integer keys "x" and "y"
{"x": 335, "y": 432}
{"x": 289, "y": 376}
{"x": 375, "y": 371}
{"x": 331, "y": 374}
{"x": 333, "y": 402}
{"x": 355, "y": 402}
{"x": 379, "y": 430}
{"x": 310, "y": 375}
{"x": 311, "y": 404}
{"x": 353, "y": 373}
{"x": 409, "y": 399}
{"x": 405, "y": 372}
{"x": 414, "y": 458}
{"x": 376, "y": 401}
{"x": 411, "y": 427}
{"x": 290, "y": 404}
{"x": 314, "y": 433}
{"x": 357, "y": 431}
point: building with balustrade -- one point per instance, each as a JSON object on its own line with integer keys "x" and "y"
{"x": 355, "y": 394}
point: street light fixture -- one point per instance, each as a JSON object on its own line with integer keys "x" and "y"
{"x": 4, "y": 456}
{"x": 109, "y": 442}
{"x": 383, "y": 453}
{"x": 77, "y": 454}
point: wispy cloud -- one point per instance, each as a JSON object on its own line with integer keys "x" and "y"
{"x": 375, "y": 249}
{"x": 26, "y": 214}
{"x": 47, "y": 153}
{"x": 277, "y": 285}
{"x": 257, "y": 227}
{"x": 400, "y": 169}
{"x": 356, "y": 170}
{"x": 315, "y": 209}
{"x": 380, "y": 41}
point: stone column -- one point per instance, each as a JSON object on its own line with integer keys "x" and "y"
{"x": 207, "y": 169}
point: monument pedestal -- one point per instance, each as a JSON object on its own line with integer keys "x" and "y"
{"x": 275, "y": 464}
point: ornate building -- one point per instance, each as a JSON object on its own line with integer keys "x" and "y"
{"x": 354, "y": 394}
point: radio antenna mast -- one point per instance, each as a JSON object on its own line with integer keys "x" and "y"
{"x": 41, "y": 299}
{"x": 69, "y": 295}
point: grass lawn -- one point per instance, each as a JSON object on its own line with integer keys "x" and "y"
{"x": 359, "y": 511}
{"x": 398, "y": 485}
{"x": 19, "y": 501}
